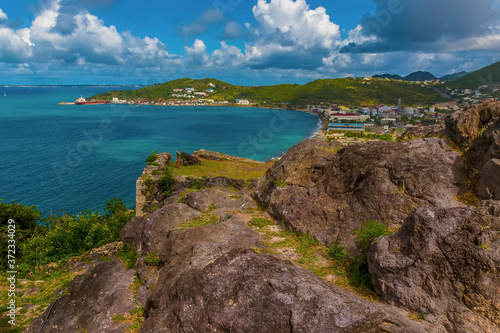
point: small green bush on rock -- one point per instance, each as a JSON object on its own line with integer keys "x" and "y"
{"x": 167, "y": 182}
{"x": 152, "y": 259}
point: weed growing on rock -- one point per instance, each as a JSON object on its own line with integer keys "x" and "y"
{"x": 260, "y": 222}
{"x": 206, "y": 218}
{"x": 369, "y": 232}
{"x": 152, "y": 158}
{"x": 277, "y": 183}
{"x": 186, "y": 192}
{"x": 152, "y": 259}
{"x": 128, "y": 255}
{"x": 167, "y": 182}
{"x": 197, "y": 184}
{"x": 336, "y": 252}
{"x": 356, "y": 268}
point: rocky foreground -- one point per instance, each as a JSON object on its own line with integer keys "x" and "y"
{"x": 215, "y": 274}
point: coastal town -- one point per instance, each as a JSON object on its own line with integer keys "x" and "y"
{"x": 351, "y": 120}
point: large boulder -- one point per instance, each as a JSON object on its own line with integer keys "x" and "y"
{"x": 213, "y": 281}
{"x": 92, "y": 301}
{"x": 216, "y": 156}
{"x": 148, "y": 233}
{"x": 486, "y": 146}
{"x": 420, "y": 132}
{"x": 313, "y": 188}
{"x": 478, "y": 130}
{"x": 488, "y": 185}
{"x": 147, "y": 194}
{"x": 219, "y": 199}
{"x": 444, "y": 263}
{"x": 463, "y": 127}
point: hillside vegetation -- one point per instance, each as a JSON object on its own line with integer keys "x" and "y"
{"x": 489, "y": 76}
{"x": 351, "y": 92}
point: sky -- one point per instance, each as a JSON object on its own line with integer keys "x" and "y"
{"x": 243, "y": 42}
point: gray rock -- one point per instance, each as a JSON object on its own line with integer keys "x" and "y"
{"x": 92, "y": 300}
{"x": 147, "y": 234}
{"x": 329, "y": 194}
{"x": 213, "y": 281}
{"x": 420, "y": 132}
{"x": 488, "y": 186}
{"x": 490, "y": 207}
{"x": 463, "y": 126}
{"x": 202, "y": 200}
{"x": 486, "y": 146}
{"x": 213, "y": 155}
{"x": 444, "y": 263}
{"x": 189, "y": 159}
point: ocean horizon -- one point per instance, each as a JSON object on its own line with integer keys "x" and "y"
{"x": 70, "y": 158}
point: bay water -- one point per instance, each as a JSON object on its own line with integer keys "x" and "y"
{"x": 73, "y": 158}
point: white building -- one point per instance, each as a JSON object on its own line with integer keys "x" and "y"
{"x": 242, "y": 101}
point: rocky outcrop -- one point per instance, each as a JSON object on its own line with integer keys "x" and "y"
{"x": 92, "y": 301}
{"x": 313, "y": 188}
{"x": 213, "y": 155}
{"x": 213, "y": 281}
{"x": 420, "y": 132}
{"x": 146, "y": 194}
{"x": 147, "y": 233}
{"x": 212, "y": 278}
{"x": 444, "y": 263}
{"x": 463, "y": 127}
{"x": 477, "y": 129}
{"x": 189, "y": 159}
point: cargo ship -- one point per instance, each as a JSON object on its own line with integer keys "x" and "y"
{"x": 83, "y": 101}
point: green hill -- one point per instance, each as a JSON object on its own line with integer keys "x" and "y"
{"x": 454, "y": 76}
{"x": 420, "y": 76}
{"x": 352, "y": 92}
{"x": 489, "y": 75}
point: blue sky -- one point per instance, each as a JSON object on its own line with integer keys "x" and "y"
{"x": 241, "y": 41}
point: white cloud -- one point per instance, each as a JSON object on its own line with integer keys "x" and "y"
{"x": 3, "y": 16}
{"x": 297, "y": 22}
{"x": 80, "y": 39}
{"x": 196, "y": 54}
{"x": 13, "y": 47}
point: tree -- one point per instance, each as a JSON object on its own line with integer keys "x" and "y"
{"x": 26, "y": 217}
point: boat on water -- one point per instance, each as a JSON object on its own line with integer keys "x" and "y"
{"x": 83, "y": 101}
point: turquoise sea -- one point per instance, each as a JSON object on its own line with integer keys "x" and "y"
{"x": 72, "y": 158}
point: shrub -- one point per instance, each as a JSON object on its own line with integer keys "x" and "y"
{"x": 368, "y": 232}
{"x": 357, "y": 267}
{"x": 197, "y": 184}
{"x": 152, "y": 260}
{"x": 25, "y": 217}
{"x": 128, "y": 255}
{"x": 62, "y": 237}
{"x": 152, "y": 158}
{"x": 337, "y": 252}
{"x": 167, "y": 182}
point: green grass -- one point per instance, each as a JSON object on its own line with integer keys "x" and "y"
{"x": 118, "y": 318}
{"x": 329, "y": 262}
{"x": 152, "y": 259}
{"x": 49, "y": 280}
{"x": 186, "y": 192}
{"x": 206, "y": 218}
{"x": 230, "y": 169}
{"x": 129, "y": 256}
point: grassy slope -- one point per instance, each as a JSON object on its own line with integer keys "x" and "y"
{"x": 230, "y": 169}
{"x": 350, "y": 92}
{"x": 485, "y": 76}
